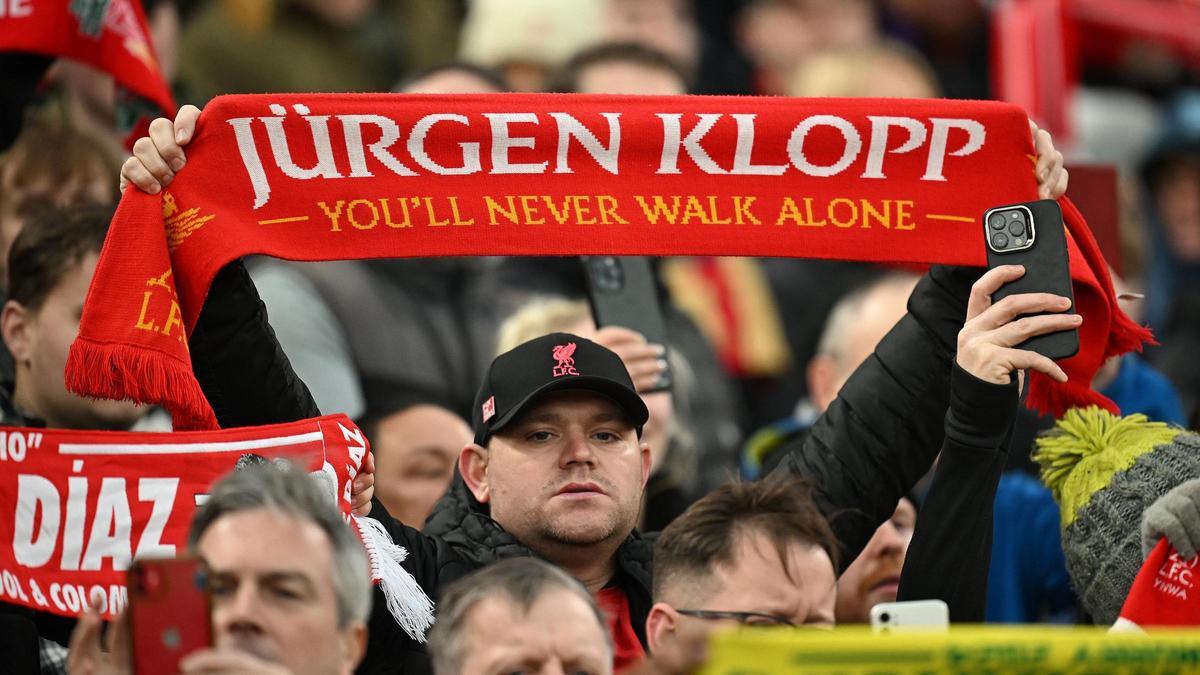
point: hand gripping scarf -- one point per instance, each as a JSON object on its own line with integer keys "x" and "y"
{"x": 77, "y": 506}
{"x": 322, "y": 177}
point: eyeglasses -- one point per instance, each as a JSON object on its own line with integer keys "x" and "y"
{"x": 743, "y": 618}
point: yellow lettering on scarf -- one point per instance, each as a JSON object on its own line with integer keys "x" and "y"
{"x": 844, "y": 213}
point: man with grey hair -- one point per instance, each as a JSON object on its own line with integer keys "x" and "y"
{"x": 519, "y": 615}
{"x": 288, "y": 580}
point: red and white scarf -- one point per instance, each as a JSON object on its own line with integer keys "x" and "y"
{"x": 77, "y": 506}
{"x": 322, "y": 177}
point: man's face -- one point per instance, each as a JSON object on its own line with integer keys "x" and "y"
{"x": 800, "y": 589}
{"x": 874, "y": 576}
{"x": 1177, "y": 194}
{"x": 569, "y": 471}
{"x": 271, "y": 577}
{"x": 881, "y": 310}
{"x": 662, "y": 24}
{"x": 415, "y": 451}
{"x": 41, "y": 357}
{"x": 559, "y": 634}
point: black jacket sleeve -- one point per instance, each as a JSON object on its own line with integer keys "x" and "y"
{"x": 240, "y": 366}
{"x": 881, "y": 434}
{"x": 432, "y": 563}
{"x": 951, "y": 548}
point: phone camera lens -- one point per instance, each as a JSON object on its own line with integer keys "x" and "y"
{"x": 999, "y": 240}
{"x": 996, "y": 221}
{"x": 885, "y": 617}
{"x": 1016, "y": 229}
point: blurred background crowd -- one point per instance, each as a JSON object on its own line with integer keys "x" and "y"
{"x": 759, "y": 347}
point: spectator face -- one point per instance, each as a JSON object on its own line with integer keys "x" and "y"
{"x": 776, "y": 34}
{"x": 559, "y": 634}
{"x": 622, "y": 77}
{"x": 415, "y": 451}
{"x": 39, "y": 341}
{"x": 1178, "y": 197}
{"x": 665, "y": 25}
{"x": 801, "y": 590}
{"x": 569, "y": 471}
{"x": 874, "y": 576}
{"x": 273, "y": 594}
{"x": 881, "y": 310}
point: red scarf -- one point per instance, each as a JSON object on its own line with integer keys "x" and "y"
{"x": 110, "y": 35}
{"x": 322, "y": 177}
{"x": 1166, "y": 592}
{"x": 75, "y": 506}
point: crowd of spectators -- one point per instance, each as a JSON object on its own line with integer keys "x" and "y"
{"x": 784, "y": 494}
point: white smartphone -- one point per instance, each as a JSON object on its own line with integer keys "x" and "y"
{"x": 911, "y": 615}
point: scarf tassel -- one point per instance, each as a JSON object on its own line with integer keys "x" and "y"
{"x": 124, "y": 372}
{"x": 1124, "y": 335}
{"x": 406, "y": 600}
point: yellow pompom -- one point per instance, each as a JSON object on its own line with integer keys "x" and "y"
{"x": 1087, "y": 447}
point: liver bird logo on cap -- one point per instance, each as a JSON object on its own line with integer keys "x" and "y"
{"x": 566, "y": 362}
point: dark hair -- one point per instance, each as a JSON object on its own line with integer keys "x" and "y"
{"x": 707, "y": 533}
{"x": 486, "y": 74}
{"x": 618, "y": 52}
{"x": 53, "y": 242}
{"x": 387, "y": 396}
{"x": 520, "y": 580}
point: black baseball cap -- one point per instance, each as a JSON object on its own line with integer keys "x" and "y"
{"x": 554, "y": 362}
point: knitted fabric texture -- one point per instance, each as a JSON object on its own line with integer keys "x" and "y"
{"x": 1104, "y": 472}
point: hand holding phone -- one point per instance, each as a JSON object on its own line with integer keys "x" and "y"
{"x": 621, "y": 292}
{"x": 988, "y": 339}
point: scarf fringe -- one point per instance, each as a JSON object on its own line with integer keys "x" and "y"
{"x": 1049, "y": 397}
{"x": 406, "y": 600}
{"x": 1046, "y": 395}
{"x": 125, "y": 372}
{"x": 1126, "y": 336}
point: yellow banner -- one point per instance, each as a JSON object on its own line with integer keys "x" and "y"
{"x": 975, "y": 649}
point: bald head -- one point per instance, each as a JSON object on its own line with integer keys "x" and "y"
{"x": 854, "y": 328}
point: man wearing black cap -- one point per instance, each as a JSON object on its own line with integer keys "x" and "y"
{"x": 558, "y": 459}
{"x": 556, "y": 470}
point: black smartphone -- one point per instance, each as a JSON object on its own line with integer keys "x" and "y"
{"x": 1032, "y": 234}
{"x": 621, "y": 292}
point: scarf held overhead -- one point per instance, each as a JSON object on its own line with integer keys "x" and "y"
{"x": 110, "y": 35}
{"x": 322, "y": 177}
{"x": 79, "y": 505}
